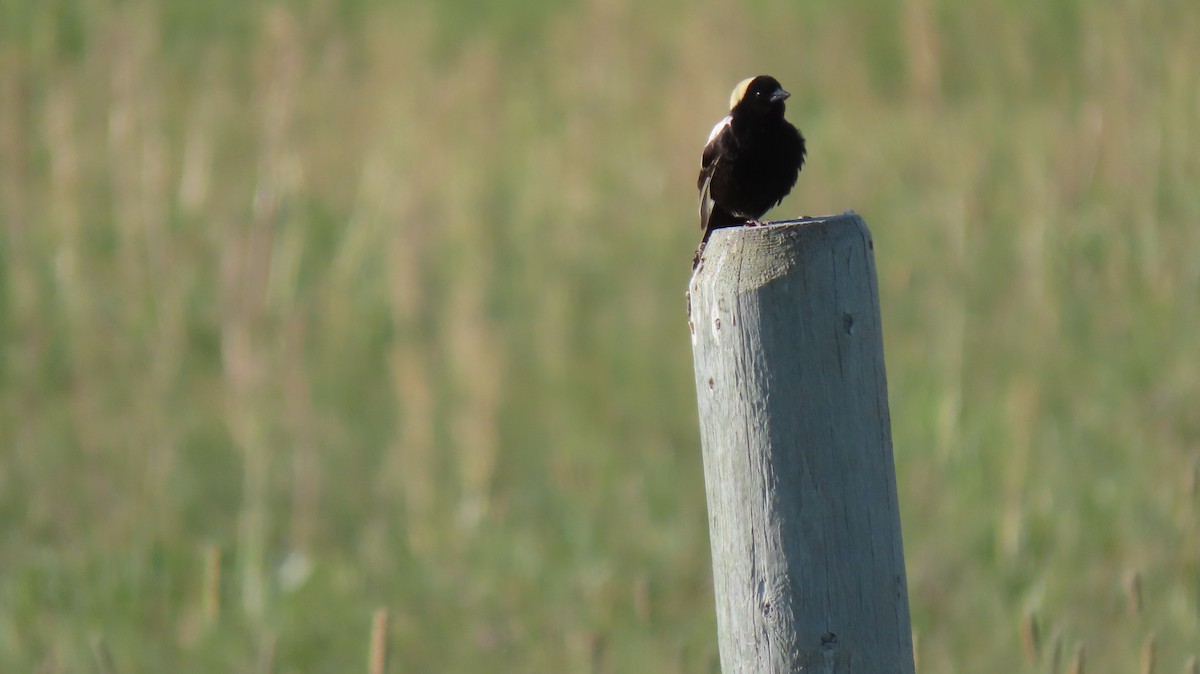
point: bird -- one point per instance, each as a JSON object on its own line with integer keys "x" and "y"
{"x": 751, "y": 160}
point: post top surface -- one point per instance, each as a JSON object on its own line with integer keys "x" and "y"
{"x": 769, "y": 251}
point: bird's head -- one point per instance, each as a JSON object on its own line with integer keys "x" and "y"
{"x": 760, "y": 94}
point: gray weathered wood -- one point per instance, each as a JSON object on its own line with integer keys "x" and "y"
{"x": 808, "y": 567}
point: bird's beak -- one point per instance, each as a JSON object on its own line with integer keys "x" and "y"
{"x": 779, "y": 95}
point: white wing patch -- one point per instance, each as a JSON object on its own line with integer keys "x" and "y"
{"x": 726, "y": 121}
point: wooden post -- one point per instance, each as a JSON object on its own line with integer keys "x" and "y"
{"x": 808, "y": 567}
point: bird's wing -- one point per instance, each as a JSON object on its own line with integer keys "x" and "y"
{"x": 708, "y": 166}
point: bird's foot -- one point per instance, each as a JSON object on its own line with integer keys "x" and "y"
{"x": 698, "y": 256}
{"x": 754, "y": 223}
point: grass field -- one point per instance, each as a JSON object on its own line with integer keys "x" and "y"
{"x": 313, "y": 309}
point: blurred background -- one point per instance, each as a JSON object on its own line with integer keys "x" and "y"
{"x": 312, "y": 309}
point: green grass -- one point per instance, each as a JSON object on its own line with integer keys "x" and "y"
{"x": 386, "y": 304}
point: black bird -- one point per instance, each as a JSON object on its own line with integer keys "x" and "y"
{"x": 752, "y": 158}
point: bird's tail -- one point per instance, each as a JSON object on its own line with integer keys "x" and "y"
{"x": 718, "y": 218}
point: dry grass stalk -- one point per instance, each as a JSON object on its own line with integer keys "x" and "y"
{"x": 377, "y": 655}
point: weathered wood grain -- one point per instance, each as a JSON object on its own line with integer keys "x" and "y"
{"x": 808, "y": 565}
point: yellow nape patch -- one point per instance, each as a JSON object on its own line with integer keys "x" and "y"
{"x": 739, "y": 91}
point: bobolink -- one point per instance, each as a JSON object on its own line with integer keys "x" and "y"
{"x": 752, "y": 158}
